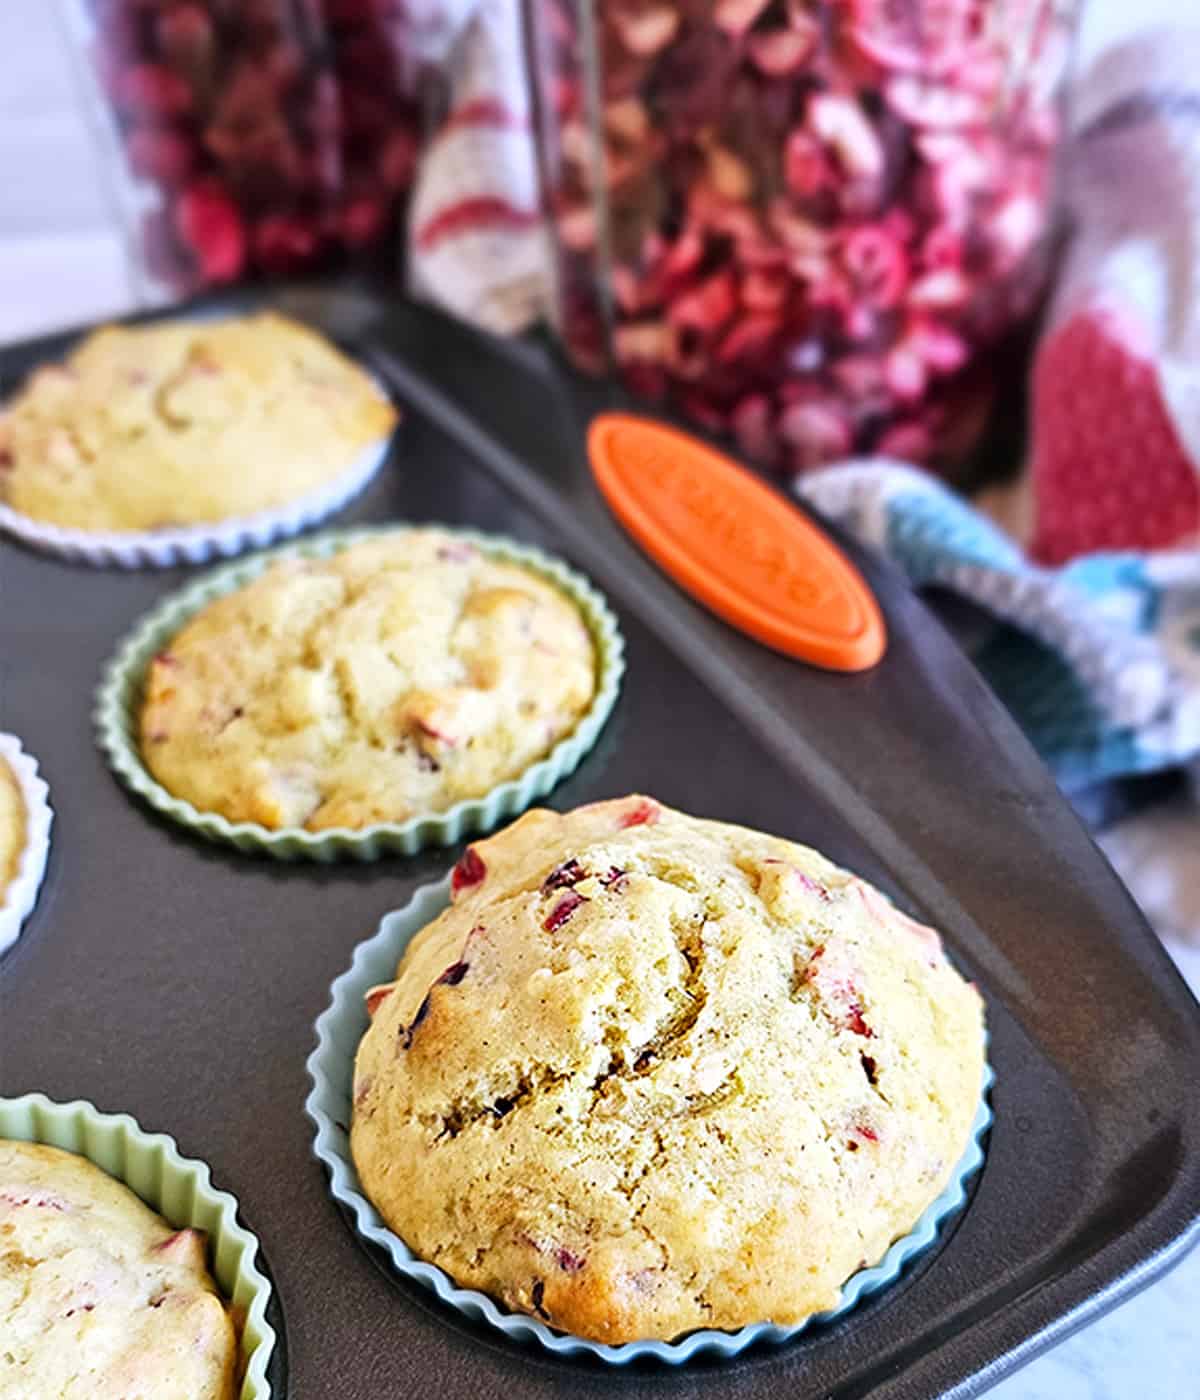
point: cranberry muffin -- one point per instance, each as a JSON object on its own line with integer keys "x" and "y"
{"x": 650, "y": 1073}
{"x": 396, "y": 677}
{"x": 184, "y": 423}
{"x": 99, "y": 1297}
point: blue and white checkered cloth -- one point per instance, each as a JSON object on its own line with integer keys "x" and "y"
{"x": 1098, "y": 661}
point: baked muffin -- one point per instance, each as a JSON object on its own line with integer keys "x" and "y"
{"x": 13, "y": 829}
{"x": 99, "y": 1297}
{"x": 186, "y": 423}
{"x": 650, "y": 1073}
{"x": 395, "y": 677}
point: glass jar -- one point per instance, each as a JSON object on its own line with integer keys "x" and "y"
{"x": 271, "y": 137}
{"x": 800, "y": 222}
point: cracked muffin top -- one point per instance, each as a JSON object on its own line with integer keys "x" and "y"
{"x": 13, "y": 829}
{"x": 186, "y": 423}
{"x": 650, "y": 1073}
{"x": 395, "y": 677}
{"x": 99, "y": 1297}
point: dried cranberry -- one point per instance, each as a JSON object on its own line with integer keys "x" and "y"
{"x": 736, "y": 16}
{"x": 362, "y": 222}
{"x": 562, "y": 911}
{"x": 644, "y": 31}
{"x": 153, "y": 92}
{"x": 645, "y": 812}
{"x": 158, "y": 153}
{"x": 284, "y": 244}
{"x": 780, "y": 53}
{"x": 753, "y": 426}
{"x": 563, "y": 876}
{"x": 375, "y": 998}
{"x": 568, "y": 1262}
{"x": 469, "y": 871}
{"x": 210, "y": 225}
{"x": 186, "y": 38}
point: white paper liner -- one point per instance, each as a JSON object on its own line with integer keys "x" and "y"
{"x": 196, "y": 544}
{"x": 19, "y": 898}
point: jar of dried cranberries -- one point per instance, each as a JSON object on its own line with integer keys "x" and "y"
{"x": 799, "y": 222}
{"x": 269, "y": 137}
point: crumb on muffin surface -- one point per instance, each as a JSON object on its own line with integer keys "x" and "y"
{"x": 185, "y": 422}
{"x": 394, "y": 677}
{"x": 99, "y": 1297}
{"x": 650, "y": 1073}
{"x": 13, "y": 829}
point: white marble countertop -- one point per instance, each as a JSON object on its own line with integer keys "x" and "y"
{"x": 62, "y": 262}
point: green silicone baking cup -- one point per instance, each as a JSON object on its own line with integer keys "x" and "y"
{"x": 176, "y": 1187}
{"x": 119, "y": 697}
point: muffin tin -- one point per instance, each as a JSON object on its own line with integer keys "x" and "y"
{"x": 179, "y": 982}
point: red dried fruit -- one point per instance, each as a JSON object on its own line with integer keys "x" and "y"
{"x": 152, "y": 92}
{"x": 840, "y": 123}
{"x": 855, "y": 1021}
{"x": 376, "y": 996}
{"x": 567, "y": 1261}
{"x": 764, "y": 289}
{"x": 876, "y": 264}
{"x": 644, "y": 31}
{"x": 780, "y": 53}
{"x": 832, "y": 975}
{"x": 185, "y": 36}
{"x": 469, "y": 872}
{"x": 563, "y": 876}
{"x": 284, "y": 244}
{"x": 750, "y": 338}
{"x": 908, "y": 442}
{"x": 806, "y": 168}
{"x": 398, "y": 159}
{"x": 453, "y": 975}
{"x": 158, "y": 153}
{"x": 817, "y": 432}
{"x": 562, "y": 911}
{"x": 910, "y": 35}
{"x": 187, "y": 1242}
{"x": 736, "y": 16}
{"x": 708, "y": 306}
{"x": 209, "y": 223}
{"x": 615, "y": 879}
{"x": 644, "y": 812}
{"x": 934, "y": 104}
{"x": 361, "y": 221}
{"x": 753, "y": 426}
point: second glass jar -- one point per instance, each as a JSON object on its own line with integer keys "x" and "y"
{"x": 800, "y": 221}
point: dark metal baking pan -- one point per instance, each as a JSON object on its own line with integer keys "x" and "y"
{"x": 180, "y": 981}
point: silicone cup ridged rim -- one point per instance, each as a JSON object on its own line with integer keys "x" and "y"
{"x": 197, "y": 544}
{"x": 16, "y": 903}
{"x": 119, "y": 696}
{"x": 150, "y": 1164}
{"x": 339, "y": 1029}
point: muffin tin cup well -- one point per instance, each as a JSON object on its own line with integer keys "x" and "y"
{"x": 331, "y": 1068}
{"x": 178, "y": 1188}
{"x": 197, "y": 544}
{"x": 119, "y": 699}
{"x": 18, "y": 900}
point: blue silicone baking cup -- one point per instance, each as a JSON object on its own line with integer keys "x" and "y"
{"x": 331, "y": 1068}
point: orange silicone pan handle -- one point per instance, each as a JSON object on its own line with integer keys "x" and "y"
{"x": 736, "y": 546}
